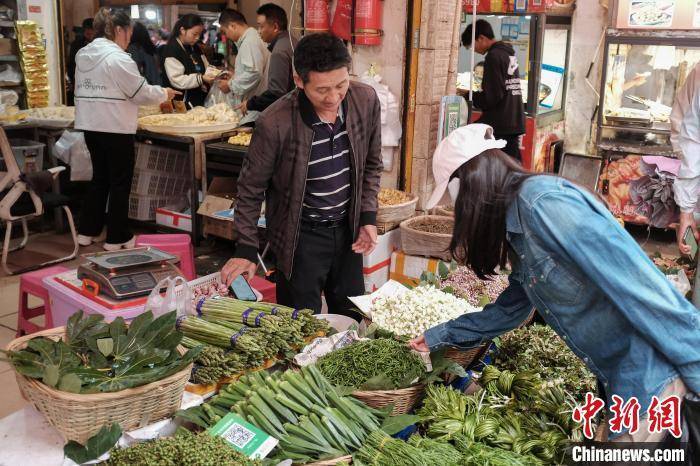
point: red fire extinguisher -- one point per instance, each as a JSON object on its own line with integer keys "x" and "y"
{"x": 316, "y": 16}
{"x": 368, "y": 22}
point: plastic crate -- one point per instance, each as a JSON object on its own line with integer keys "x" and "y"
{"x": 162, "y": 159}
{"x": 29, "y": 155}
{"x": 153, "y": 183}
{"x": 144, "y": 207}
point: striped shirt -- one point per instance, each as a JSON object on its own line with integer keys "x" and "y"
{"x": 328, "y": 182}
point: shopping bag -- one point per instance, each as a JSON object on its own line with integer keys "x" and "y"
{"x": 217, "y": 96}
{"x": 177, "y": 297}
{"x": 72, "y": 150}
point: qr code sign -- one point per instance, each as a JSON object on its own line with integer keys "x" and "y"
{"x": 238, "y": 435}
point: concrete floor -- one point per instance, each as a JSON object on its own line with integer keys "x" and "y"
{"x": 209, "y": 258}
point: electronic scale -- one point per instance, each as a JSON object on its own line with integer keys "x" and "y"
{"x": 127, "y": 273}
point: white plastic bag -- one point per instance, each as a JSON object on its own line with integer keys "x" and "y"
{"x": 72, "y": 150}
{"x": 680, "y": 282}
{"x": 177, "y": 297}
{"x": 217, "y": 96}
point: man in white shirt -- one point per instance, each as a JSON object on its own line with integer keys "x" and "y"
{"x": 685, "y": 138}
{"x": 250, "y": 74}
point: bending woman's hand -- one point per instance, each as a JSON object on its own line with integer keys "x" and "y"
{"x": 419, "y": 344}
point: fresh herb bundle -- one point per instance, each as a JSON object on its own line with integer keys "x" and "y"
{"x": 382, "y": 364}
{"x": 96, "y": 356}
{"x": 514, "y": 411}
{"x": 381, "y": 449}
{"x": 538, "y": 348}
{"x": 184, "y": 449}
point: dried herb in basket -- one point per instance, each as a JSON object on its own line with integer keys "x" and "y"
{"x": 96, "y": 356}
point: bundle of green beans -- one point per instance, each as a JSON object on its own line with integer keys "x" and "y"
{"x": 380, "y": 449}
{"x": 184, "y": 449}
{"x": 366, "y": 360}
{"x": 222, "y": 336}
{"x": 301, "y": 409}
{"x": 213, "y": 363}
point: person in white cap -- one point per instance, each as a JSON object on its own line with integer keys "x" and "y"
{"x": 571, "y": 259}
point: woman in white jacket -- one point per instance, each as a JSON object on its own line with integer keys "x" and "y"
{"x": 108, "y": 91}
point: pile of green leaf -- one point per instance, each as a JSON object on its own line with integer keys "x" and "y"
{"x": 514, "y": 412}
{"x": 381, "y": 364}
{"x": 96, "y": 356}
{"x": 184, "y": 449}
{"x": 538, "y": 348}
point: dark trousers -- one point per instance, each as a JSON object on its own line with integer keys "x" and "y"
{"x": 323, "y": 262}
{"x": 113, "y": 161}
{"x": 512, "y": 145}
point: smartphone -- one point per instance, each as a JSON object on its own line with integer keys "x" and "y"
{"x": 242, "y": 290}
{"x": 689, "y": 239}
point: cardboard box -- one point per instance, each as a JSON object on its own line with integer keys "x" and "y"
{"x": 376, "y": 265}
{"x": 170, "y": 217}
{"x": 407, "y": 269}
{"x": 8, "y": 46}
{"x": 221, "y": 195}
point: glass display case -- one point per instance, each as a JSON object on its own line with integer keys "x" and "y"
{"x": 641, "y": 80}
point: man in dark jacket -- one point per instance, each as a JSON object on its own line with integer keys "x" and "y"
{"x": 272, "y": 26}
{"x": 501, "y": 99}
{"x": 316, "y": 159}
{"x": 81, "y": 40}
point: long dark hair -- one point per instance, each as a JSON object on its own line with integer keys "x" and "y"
{"x": 140, "y": 36}
{"x": 188, "y": 21}
{"x": 488, "y": 183}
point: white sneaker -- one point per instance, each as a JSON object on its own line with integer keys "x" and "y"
{"x": 116, "y": 247}
{"x": 85, "y": 240}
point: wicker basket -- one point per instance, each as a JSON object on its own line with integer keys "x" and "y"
{"x": 444, "y": 211}
{"x": 331, "y": 462}
{"x": 421, "y": 243}
{"x": 80, "y": 416}
{"x": 466, "y": 358}
{"x": 398, "y": 212}
{"x": 403, "y": 399}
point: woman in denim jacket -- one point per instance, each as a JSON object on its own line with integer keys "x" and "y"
{"x": 570, "y": 259}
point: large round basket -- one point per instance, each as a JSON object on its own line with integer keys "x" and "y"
{"x": 444, "y": 211}
{"x": 403, "y": 399}
{"x": 421, "y": 243}
{"x": 397, "y": 212}
{"x": 80, "y": 416}
{"x": 331, "y": 462}
{"x": 466, "y": 358}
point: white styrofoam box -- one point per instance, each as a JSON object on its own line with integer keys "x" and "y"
{"x": 172, "y": 218}
{"x": 375, "y": 267}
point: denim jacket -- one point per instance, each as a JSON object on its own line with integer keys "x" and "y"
{"x": 595, "y": 287}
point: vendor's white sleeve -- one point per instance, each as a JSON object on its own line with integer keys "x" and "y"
{"x": 134, "y": 86}
{"x": 175, "y": 71}
{"x": 687, "y": 184}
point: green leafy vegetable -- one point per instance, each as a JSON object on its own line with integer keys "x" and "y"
{"x": 96, "y": 446}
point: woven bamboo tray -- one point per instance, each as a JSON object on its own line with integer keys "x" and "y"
{"x": 421, "y": 243}
{"x": 331, "y": 462}
{"x": 466, "y": 358}
{"x": 80, "y": 416}
{"x": 403, "y": 399}
{"x": 398, "y": 212}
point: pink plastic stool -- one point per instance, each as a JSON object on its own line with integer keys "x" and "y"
{"x": 31, "y": 283}
{"x": 178, "y": 244}
{"x": 266, "y": 288}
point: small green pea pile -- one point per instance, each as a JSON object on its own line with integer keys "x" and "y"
{"x": 368, "y": 360}
{"x": 184, "y": 449}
